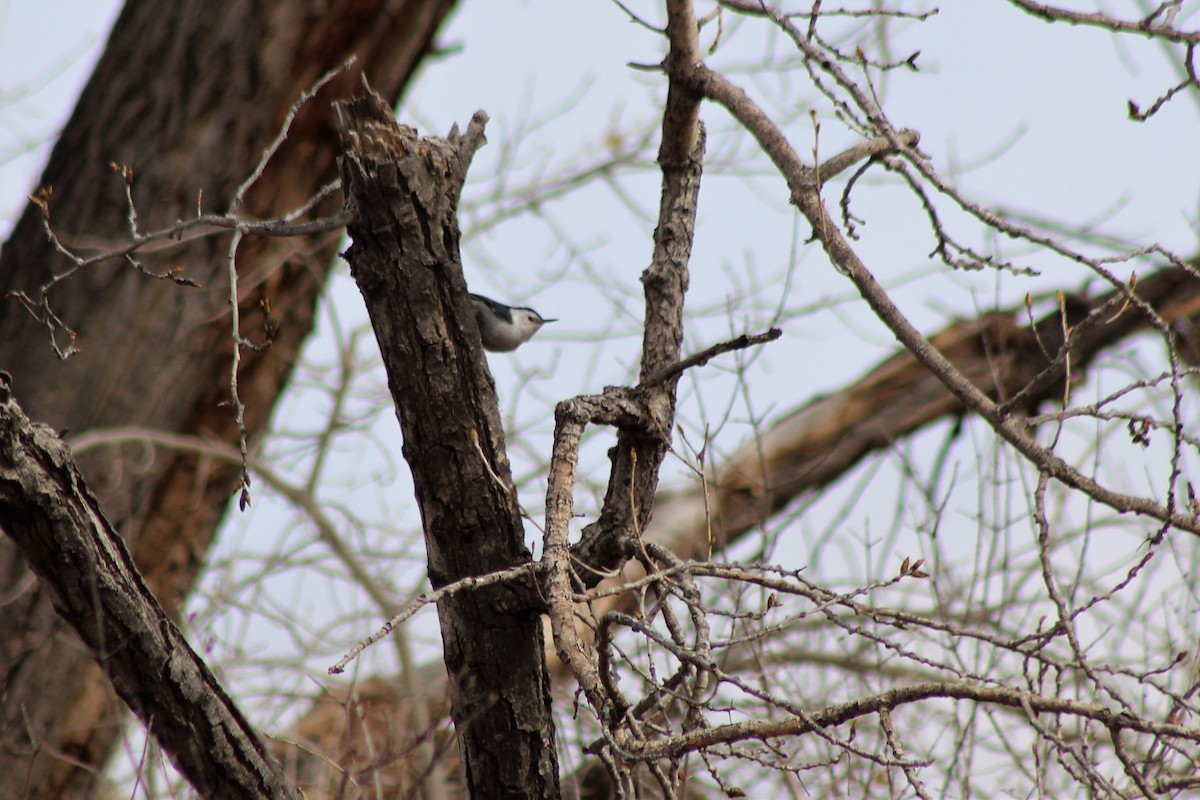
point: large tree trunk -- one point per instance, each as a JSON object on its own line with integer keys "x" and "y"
{"x": 189, "y": 95}
{"x": 406, "y": 261}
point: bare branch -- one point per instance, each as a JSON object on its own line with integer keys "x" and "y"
{"x": 47, "y": 509}
{"x": 1144, "y": 27}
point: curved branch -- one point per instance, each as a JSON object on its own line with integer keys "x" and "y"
{"x": 806, "y": 196}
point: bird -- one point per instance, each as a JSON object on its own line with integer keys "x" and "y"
{"x": 505, "y": 328}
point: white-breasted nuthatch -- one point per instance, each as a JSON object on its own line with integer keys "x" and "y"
{"x": 505, "y": 328}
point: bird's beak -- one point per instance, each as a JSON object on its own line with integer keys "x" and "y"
{"x": 550, "y": 320}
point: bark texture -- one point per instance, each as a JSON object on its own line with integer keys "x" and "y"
{"x": 48, "y": 510}
{"x": 189, "y": 95}
{"x": 615, "y": 537}
{"x": 404, "y": 191}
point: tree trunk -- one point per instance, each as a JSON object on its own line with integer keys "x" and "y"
{"x": 189, "y": 95}
{"x": 406, "y": 261}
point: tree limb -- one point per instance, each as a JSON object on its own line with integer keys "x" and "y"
{"x": 47, "y": 509}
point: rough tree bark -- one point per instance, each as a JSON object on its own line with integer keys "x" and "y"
{"x": 615, "y": 537}
{"x": 404, "y": 192}
{"x": 189, "y": 95}
{"x": 46, "y": 508}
